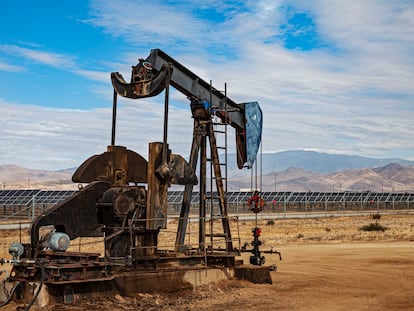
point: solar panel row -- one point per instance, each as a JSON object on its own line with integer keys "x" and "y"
{"x": 298, "y": 197}
{"x": 50, "y": 197}
{"x": 26, "y": 197}
{"x": 17, "y": 197}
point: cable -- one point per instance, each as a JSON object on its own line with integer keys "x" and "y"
{"x": 42, "y": 280}
{"x": 2, "y": 304}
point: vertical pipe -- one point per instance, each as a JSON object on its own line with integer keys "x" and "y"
{"x": 201, "y": 235}
{"x": 166, "y": 99}
{"x": 261, "y": 166}
{"x": 211, "y": 202}
{"x": 114, "y": 103}
{"x": 33, "y": 207}
{"x": 256, "y": 187}
{"x": 225, "y": 138}
{"x": 251, "y": 179}
{"x": 237, "y": 203}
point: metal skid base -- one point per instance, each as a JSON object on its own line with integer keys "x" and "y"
{"x": 62, "y": 276}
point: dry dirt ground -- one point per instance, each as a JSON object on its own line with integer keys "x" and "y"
{"x": 328, "y": 264}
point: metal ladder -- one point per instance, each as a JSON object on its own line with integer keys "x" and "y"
{"x": 217, "y": 200}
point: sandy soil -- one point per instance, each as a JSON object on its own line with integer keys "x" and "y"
{"x": 328, "y": 264}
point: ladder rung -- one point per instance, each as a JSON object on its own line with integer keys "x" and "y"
{"x": 218, "y": 217}
{"x": 226, "y": 110}
{"x": 210, "y": 160}
{"x": 217, "y": 235}
{"x": 214, "y": 197}
{"x": 221, "y": 132}
{"x": 215, "y": 163}
{"x": 221, "y": 147}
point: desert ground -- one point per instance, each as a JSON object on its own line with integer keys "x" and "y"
{"x": 327, "y": 264}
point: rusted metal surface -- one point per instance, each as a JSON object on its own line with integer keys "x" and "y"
{"x": 158, "y": 183}
{"x": 181, "y": 171}
{"x": 63, "y": 268}
{"x": 142, "y": 85}
{"x": 75, "y": 216}
{"x": 117, "y": 165}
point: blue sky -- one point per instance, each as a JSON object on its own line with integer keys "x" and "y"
{"x": 331, "y": 76}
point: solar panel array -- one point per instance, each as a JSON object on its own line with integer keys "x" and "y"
{"x": 175, "y": 197}
{"x": 51, "y": 197}
{"x": 17, "y": 197}
{"x": 26, "y": 197}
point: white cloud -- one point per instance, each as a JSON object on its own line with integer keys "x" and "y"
{"x": 39, "y": 56}
{"x": 100, "y": 76}
{"x": 57, "y": 60}
{"x": 354, "y": 96}
{"x": 53, "y": 138}
{"x": 152, "y": 22}
{"x": 10, "y": 68}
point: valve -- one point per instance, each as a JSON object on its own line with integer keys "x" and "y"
{"x": 16, "y": 250}
{"x": 256, "y": 259}
{"x": 256, "y": 204}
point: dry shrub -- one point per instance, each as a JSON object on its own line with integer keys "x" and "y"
{"x": 374, "y": 226}
{"x": 376, "y": 216}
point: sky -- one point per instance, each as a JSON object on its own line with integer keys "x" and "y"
{"x": 334, "y": 76}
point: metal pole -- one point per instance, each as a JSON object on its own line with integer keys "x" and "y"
{"x": 261, "y": 166}
{"x": 202, "y": 195}
{"x": 255, "y": 177}
{"x": 225, "y": 135}
{"x": 167, "y": 92}
{"x": 114, "y": 103}
{"x": 33, "y": 206}
{"x": 306, "y": 204}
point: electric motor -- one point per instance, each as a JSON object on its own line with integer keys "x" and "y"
{"x": 56, "y": 241}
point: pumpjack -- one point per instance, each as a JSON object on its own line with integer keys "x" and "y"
{"x": 125, "y": 197}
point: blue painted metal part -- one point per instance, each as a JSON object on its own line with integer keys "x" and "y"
{"x": 254, "y": 124}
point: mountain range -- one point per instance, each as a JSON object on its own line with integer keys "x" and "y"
{"x": 283, "y": 171}
{"x": 317, "y": 162}
{"x": 392, "y": 177}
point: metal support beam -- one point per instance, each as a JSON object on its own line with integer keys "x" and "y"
{"x": 202, "y": 129}
{"x": 188, "y": 190}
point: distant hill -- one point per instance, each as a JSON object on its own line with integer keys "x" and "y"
{"x": 316, "y": 162}
{"x": 17, "y": 177}
{"x": 389, "y": 178}
{"x": 287, "y": 171}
